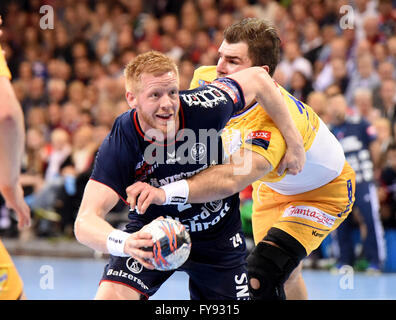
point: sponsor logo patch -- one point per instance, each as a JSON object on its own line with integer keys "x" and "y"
{"x": 176, "y": 200}
{"x": 208, "y": 97}
{"x": 198, "y": 151}
{"x": 310, "y": 213}
{"x": 203, "y": 82}
{"x": 259, "y": 138}
{"x": 133, "y": 265}
{"x": 227, "y": 89}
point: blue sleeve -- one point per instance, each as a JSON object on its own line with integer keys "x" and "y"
{"x": 214, "y": 103}
{"x": 233, "y": 90}
{"x": 114, "y": 163}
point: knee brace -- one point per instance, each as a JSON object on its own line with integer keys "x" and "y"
{"x": 271, "y": 266}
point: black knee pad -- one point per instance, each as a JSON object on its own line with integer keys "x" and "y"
{"x": 272, "y": 266}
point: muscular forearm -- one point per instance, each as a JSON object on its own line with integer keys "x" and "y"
{"x": 214, "y": 183}
{"x": 92, "y": 231}
{"x": 221, "y": 181}
{"x": 91, "y": 228}
{"x": 12, "y": 135}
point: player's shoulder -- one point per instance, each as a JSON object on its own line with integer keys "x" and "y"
{"x": 205, "y": 70}
{"x": 124, "y": 129}
{"x": 123, "y": 120}
{"x": 203, "y": 75}
{"x": 282, "y": 89}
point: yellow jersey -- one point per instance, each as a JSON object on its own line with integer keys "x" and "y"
{"x": 254, "y": 129}
{"x": 4, "y": 71}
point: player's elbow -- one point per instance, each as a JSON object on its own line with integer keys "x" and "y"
{"x": 10, "y": 113}
{"x": 79, "y": 229}
{"x": 8, "y": 118}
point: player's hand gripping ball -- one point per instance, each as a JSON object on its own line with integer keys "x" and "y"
{"x": 172, "y": 243}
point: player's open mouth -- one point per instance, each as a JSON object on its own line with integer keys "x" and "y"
{"x": 164, "y": 116}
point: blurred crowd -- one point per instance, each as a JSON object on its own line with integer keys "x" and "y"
{"x": 69, "y": 78}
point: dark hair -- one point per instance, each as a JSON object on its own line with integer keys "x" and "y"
{"x": 262, "y": 40}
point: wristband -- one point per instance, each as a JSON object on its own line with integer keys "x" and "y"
{"x": 176, "y": 192}
{"x": 116, "y": 242}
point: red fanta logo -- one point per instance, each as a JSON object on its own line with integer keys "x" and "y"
{"x": 310, "y": 213}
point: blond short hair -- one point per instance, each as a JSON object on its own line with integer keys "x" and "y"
{"x": 152, "y": 62}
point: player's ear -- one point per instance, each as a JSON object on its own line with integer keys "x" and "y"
{"x": 131, "y": 99}
{"x": 266, "y": 68}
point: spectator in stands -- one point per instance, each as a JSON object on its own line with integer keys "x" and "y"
{"x": 37, "y": 152}
{"x": 383, "y": 128}
{"x": 335, "y": 48}
{"x": 364, "y": 77}
{"x": 312, "y": 42}
{"x": 300, "y": 86}
{"x": 293, "y": 61}
{"x": 357, "y": 138}
{"x": 372, "y": 30}
{"x": 57, "y": 91}
{"x": 363, "y": 10}
{"x": 387, "y": 17}
{"x": 36, "y": 95}
{"x": 386, "y": 71}
{"x": 43, "y": 201}
{"x": 318, "y": 102}
{"x": 380, "y": 53}
{"x": 387, "y": 100}
{"x": 387, "y": 189}
{"x": 391, "y": 43}
{"x": 363, "y": 105}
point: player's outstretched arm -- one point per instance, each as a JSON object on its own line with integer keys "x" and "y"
{"x": 257, "y": 85}
{"x": 92, "y": 230}
{"x": 12, "y": 140}
{"x": 214, "y": 183}
{"x": 221, "y": 181}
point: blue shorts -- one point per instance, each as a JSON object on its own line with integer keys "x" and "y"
{"x": 216, "y": 270}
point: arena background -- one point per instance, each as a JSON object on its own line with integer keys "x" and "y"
{"x": 67, "y": 58}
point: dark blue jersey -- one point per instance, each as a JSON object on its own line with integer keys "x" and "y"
{"x": 127, "y": 156}
{"x": 355, "y": 135}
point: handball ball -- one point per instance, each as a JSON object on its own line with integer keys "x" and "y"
{"x": 172, "y": 243}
